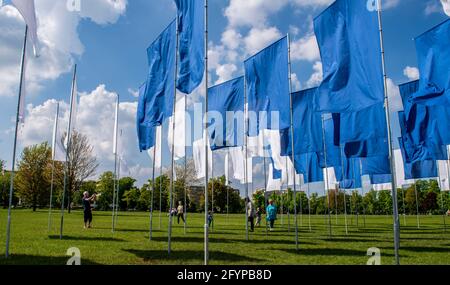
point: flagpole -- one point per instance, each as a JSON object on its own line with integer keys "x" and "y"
{"x": 185, "y": 167}
{"x": 292, "y": 134}
{"x": 309, "y": 207}
{"x": 212, "y": 188}
{"x": 169, "y": 242}
{"x": 356, "y": 198}
{"x": 327, "y": 178}
{"x": 265, "y": 188}
{"x": 336, "y": 192}
{"x": 362, "y": 190}
{"x": 53, "y": 167}
{"x": 394, "y": 190}
{"x": 345, "y": 192}
{"x": 404, "y": 208}
{"x": 11, "y": 187}
{"x": 246, "y": 127}
{"x": 160, "y": 180}
{"x": 117, "y": 193}
{"x": 115, "y": 164}
{"x": 68, "y": 149}
{"x": 153, "y": 190}
{"x": 417, "y": 204}
{"x": 206, "y": 247}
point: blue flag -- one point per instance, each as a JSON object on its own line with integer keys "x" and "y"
{"x": 266, "y": 75}
{"x": 191, "y": 28}
{"x": 145, "y": 130}
{"x": 434, "y": 60}
{"x": 308, "y": 165}
{"x": 349, "y": 40}
{"x": 225, "y": 104}
{"x": 380, "y": 179}
{"x": 158, "y": 99}
{"x": 333, "y": 151}
{"x": 377, "y": 165}
{"x": 419, "y": 169}
{"x": 419, "y": 144}
{"x": 307, "y": 124}
{"x": 352, "y": 174}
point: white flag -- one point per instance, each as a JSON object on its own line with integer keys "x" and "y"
{"x": 238, "y": 162}
{"x": 180, "y": 130}
{"x": 446, "y": 5}
{"x": 400, "y": 169}
{"x": 27, "y": 10}
{"x": 272, "y": 184}
{"x": 73, "y": 110}
{"x": 198, "y": 153}
{"x": 330, "y": 180}
{"x": 58, "y": 151}
{"x": 116, "y": 127}
{"x": 443, "y": 175}
{"x": 156, "y": 149}
{"x": 23, "y": 92}
{"x": 249, "y": 167}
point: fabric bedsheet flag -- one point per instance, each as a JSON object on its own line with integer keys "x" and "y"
{"x": 191, "y": 28}
{"x": 267, "y": 84}
{"x": 348, "y": 36}
{"x": 145, "y": 130}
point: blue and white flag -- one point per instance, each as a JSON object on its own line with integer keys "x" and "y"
{"x": 349, "y": 40}
{"x": 418, "y": 169}
{"x": 352, "y": 174}
{"x": 267, "y": 84}
{"x": 226, "y": 111}
{"x": 191, "y": 28}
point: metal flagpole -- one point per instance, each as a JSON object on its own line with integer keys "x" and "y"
{"x": 309, "y": 207}
{"x": 246, "y": 127}
{"x": 185, "y": 168}
{"x": 11, "y": 187}
{"x": 117, "y": 194}
{"x": 114, "y": 205}
{"x": 169, "y": 241}
{"x": 153, "y": 191}
{"x": 356, "y": 193}
{"x": 345, "y": 192}
{"x": 293, "y": 144}
{"x": 212, "y": 188}
{"x": 282, "y": 208}
{"x": 336, "y": 192}
{"x": 206, "y": 249}
{"x": 417, "y": 204}
{"x": 362, "y": 190}
{"x": 53, "y": 167}
{"x": 287, "y": 194}
{"x": 68, "y": 148}
{"x": 388, "y": 121}
{"x": 160, "y": 180}
{"x": 327, "y": 178}
{"x": 265, "y": 189}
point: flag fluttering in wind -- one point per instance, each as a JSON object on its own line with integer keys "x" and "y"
{"x": 198, "y": 153}
{"x": 446, "y": 6}
{"x": 179, "y": 139}
{"x": 155, "y": 150}
{"x": 419, "y": 169}
{"x": 116, "y": 126}
{"x": 349, "y": 40}
{"x": 226, "y": 100}
{"x": 73, "y": 109}
{"x": 434, "y": 59}
{"x": 58, "y": 150}
{"x": 267, "y": 79}
{"x": 191, "y": 27}
{"x": 352, "y": 174}
{"x": 27, "y": 9}
{"x": 145, "y": 130}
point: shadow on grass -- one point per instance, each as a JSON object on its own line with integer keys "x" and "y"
{"x": 20, "y": 259}
{"x": 328, "y": 252}
{"x": 424, "y": 249}
{"x": 110, "y": 239}
{"x": 185, "y": 255}
{"x": 226, "y": 240}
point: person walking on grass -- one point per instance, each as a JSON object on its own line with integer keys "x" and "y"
{"x": 180, "y": 212}
{"x": 271, "y": 214}
{"x": 258, "y": 217}
{"x": 87, "y": 209}
{"x": 250, "y": 214}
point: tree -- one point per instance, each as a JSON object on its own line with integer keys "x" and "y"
{"x": 33, "y": 175}
{"x": 81, "y": 165}
{"x": 5, "y": 182}
{"x": 105, "y": 186}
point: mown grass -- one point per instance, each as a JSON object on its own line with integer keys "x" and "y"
{"x": 32, "y": 243}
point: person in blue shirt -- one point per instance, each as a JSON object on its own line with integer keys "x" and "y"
{"x": 271, "y": 214}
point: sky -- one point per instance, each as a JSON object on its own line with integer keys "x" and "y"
{"x": 107, "y": 39}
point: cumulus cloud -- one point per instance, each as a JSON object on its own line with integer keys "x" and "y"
{"x": 305, "y": 48}
{"x": 59, "y": 39}
{"x": 259, "y": 38}
{"x": 317, "y": 76}
{"x": 411, "y": 72}
{"x": 95, "y": 119}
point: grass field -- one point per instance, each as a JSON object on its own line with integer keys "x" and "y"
{"x": 31, "y": 243}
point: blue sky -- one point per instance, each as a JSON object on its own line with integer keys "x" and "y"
{"x": 108, "y": 40}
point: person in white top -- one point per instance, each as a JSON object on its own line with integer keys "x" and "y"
{"x": 180, "y": 212}
{"x": 250, "y": 213}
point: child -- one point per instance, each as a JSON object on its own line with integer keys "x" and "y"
{"x": 258, "y": 217}
{"x": 210, "y": 218}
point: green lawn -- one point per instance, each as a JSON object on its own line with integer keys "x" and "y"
{"x": 31, "y": 243}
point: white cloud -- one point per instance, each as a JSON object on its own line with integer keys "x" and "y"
{"x": 305, "y": 48}
{"x": 411, "y": 72}
{"x": 225, "y": 72}
{"x": 59, "y": 40}
{"x": 295, "y": 82}
{"x": 95, "y": 119}
{"x": 252, "y": 13}
{"x": 133, "y": 92}
{"x": 312, "y": 3}
{"x": 317, "y": 76}
{"x": 259, "y": 38}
